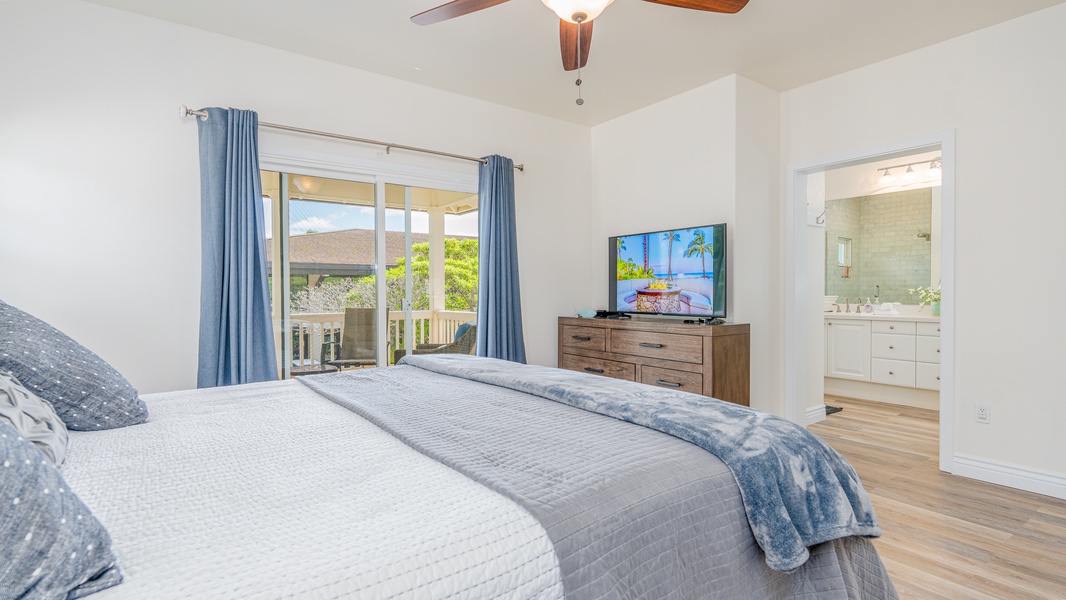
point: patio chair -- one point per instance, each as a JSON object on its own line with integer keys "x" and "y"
{"x": 357, "y": 347}
{"x": 465, "y": 343}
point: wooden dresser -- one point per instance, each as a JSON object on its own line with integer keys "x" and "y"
{"x": 713, "y": 360}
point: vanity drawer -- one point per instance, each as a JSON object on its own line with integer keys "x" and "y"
{"x": 896, "y": 347}
{"x": 927, "y": 376}
{"x": 892, "y": 372}
{"x": 929, "y": 329}
{"x": 599, "y": 366}
{"x": 667, "y": 346}
{"x": 927, "y": 349}
{"x": 897, "y": 327}
{"x": 586, "y": 338}
{"x": 671, "y": 379}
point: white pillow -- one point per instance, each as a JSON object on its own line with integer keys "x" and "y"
{"x": 33, "y": 418}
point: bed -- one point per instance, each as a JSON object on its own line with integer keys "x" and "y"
{"x": 445, "y": 477}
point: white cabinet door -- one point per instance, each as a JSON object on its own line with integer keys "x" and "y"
{"x": 848, "y": 355}
{"x": 928, "y": 349}
{"x": 927, "y": 376}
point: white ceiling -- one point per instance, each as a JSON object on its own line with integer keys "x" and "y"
{"x": 641, "y": 52}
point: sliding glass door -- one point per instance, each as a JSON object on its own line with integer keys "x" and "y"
{"x": 327, "y": 241}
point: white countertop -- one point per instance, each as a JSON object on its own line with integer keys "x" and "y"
{"x": 906, "y": 313}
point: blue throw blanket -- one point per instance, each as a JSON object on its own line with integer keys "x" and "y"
{"x": 798, "y": 492}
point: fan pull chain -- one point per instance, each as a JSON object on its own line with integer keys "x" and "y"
{"x": 580, "y": 101}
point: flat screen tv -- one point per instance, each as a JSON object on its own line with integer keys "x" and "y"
{"x": 677, "y": 272}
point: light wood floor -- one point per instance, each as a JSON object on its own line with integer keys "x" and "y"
{"x": 946, "y": 536}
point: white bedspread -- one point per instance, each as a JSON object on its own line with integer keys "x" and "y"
{"x": 271, "y": 491}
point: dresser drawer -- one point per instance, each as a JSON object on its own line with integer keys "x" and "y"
{"x": 586, "y": 338}
{"x": 599, "y": 366}
{"x": 897, "y": 327}
{"x": 892, "y": 372}
{"x": 929, "y": 329}
{"x": 927, "y": 349}
{"x": 927, "y": 376}
{"x": 888, "y": 345}
{"x": 671, "y": 379}
{"x": 666, "y": 346}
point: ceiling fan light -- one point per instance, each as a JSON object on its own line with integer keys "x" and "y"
{"x": 567, "y": 9}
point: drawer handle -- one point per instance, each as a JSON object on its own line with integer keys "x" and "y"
{"x": 938, "y": 377}
{"x": 672, "y": 384}
{"x": 891, "y": 347}
{"x": 647, "y": 345}
{"x": 938, "y": 350}
{"x": 891, "y": 372}
{"x": 581, "y": 338}
{"x": 891, "y": 326}
{"x": 591, "y": 370}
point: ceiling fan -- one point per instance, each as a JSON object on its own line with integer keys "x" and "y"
{"x": 575, "y": 20}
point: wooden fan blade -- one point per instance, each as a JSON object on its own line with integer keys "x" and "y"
{"x": 568, "y": 43}
{"x": 719, "y": 6}
{"x": 451, "y": 10}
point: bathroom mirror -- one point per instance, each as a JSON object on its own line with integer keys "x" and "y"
{"x": 888, "y": 242}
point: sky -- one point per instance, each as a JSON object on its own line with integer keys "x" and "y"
{"x": 658, "y": 247}
{"x": 320, "y": 217}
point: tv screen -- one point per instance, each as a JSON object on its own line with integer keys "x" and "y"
{"x": 675, "y": 272}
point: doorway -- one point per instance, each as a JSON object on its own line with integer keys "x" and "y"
{"x": 804, "y": 298}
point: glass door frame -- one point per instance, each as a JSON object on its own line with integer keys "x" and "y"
{"x": 290, "y": 161}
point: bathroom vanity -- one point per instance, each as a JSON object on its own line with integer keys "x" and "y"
{"x": 897, "y": 350}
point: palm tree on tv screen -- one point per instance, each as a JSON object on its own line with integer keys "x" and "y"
{"x": 673, "y": 236}
{"x": 699, "y": 246}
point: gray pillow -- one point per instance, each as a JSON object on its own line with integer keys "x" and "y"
{"x": 33, "y": 418}
{"x": 53, "y": 546}
{"x": 86, "y": 392}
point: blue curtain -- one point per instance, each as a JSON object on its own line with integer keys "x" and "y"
{"x": 236, "y": 342}
{"x": 499, "y": 307}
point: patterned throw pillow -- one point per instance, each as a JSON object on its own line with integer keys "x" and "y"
{"x": 86, "y": 392}
{"x": 52, "y": 545}
{"x": 33, "y": 418}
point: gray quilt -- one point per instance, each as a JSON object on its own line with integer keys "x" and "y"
{"x": 632, "y": 512}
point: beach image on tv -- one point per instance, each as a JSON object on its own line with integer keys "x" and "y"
{"x": 672, "y": 272}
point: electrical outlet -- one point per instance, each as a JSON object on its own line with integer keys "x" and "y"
{"x": 982, "y": 413}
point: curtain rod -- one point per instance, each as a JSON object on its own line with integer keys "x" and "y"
{"x": 188, "y": 112}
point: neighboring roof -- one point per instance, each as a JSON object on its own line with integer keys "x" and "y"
{"x": 345, "y": 252}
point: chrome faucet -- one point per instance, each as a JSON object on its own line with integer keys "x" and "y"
{"x": 837, "y": 305}
{"x": 847, "y": 305}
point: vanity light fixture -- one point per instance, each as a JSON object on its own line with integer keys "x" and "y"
{"x": 935, "y": 169}
{"x": 910, "y": 176}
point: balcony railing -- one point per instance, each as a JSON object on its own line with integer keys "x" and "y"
{"x": 311, "y": 330}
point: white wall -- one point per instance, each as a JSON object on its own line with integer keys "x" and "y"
{"x": 709, "y": 155}
{"x": 1002, "y": 90}
{"x": 99, "y": 178}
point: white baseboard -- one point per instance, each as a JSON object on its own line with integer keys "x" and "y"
{"x": 1022, "y": 478}
{"x": 816, "y": 414}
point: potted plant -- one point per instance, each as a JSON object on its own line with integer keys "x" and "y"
{"x": 930, "y": 296}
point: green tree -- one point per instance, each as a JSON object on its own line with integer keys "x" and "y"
{"x": 700, "y": 246}
{"x": 460, "y": 279}
{"x": 673, "y": 236}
